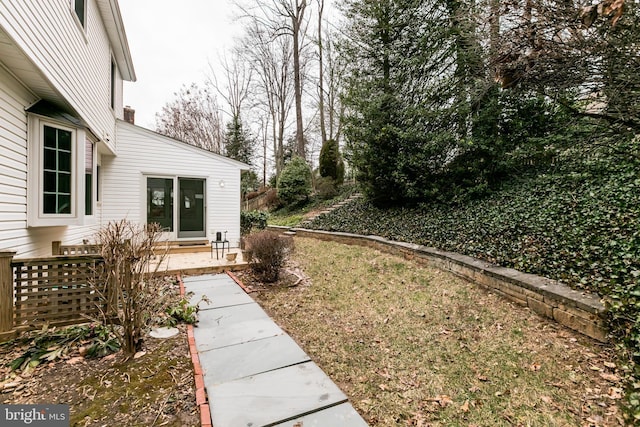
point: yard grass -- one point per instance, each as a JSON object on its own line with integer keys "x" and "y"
{"x": 412, "y": 345}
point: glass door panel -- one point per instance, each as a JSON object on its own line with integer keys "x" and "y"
{"x": 191, "y": 218}
{"x": 160, "y": 202}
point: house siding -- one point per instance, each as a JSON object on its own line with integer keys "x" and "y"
{"x": 143, "y": 153}
{"x": 75, "y": 62}
{"x": 14, "y": 234}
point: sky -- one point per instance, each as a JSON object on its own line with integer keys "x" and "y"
{"x": 172, "y": 44}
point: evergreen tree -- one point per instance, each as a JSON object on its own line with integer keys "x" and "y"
{"x": 239, "y": 144}
{"x": 394, "y": 44}
{"x": 331, "y": 164}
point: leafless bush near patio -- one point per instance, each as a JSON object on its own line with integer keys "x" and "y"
{"x": 267, "y": 253}
{"x": 134, "y": 292}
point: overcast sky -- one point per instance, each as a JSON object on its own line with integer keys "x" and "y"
{"x": 172, "y": 43}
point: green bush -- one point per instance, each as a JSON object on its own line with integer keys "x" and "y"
{"x": 252, "y": 219}
{"x": 267, "y": 253}
{"x": 331, "y": 164}
{"x": 294, "y": 184}
{"x": 326, "y": 188}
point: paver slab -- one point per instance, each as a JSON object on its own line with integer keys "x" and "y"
{"x": 272, "y": 397}
{"x": 207, "y": 278}
{"x": 342, "y": 415}
{"x": 220, "y": 294}
{"x": 250, "y": 358}
{"x": 221, "y": 327}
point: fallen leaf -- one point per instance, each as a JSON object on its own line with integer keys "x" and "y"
{"x": 610, "y": 365}
{"x": 465, "y": 406}
{"x": 474, "y": 389}
{"x": 610, "y": 377}
{"x": 139, "y": 354}
{"x": 615, "y": 393}
{"x": 75, "y": 360}
{"x": 546, "y": 399}
{"x": 595, "y": 368}
{"x": 595, "y": 419}
{"x": 482, "y": 378}
{"x": 384, "y": 374}
{"x": 383, "y": 387}
{"x": 535, "y": 367}
{"x": 443, "y": 400}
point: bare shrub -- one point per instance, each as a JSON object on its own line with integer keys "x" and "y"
{"x": 268, "y": 252}
{"x": 133, "y": 291}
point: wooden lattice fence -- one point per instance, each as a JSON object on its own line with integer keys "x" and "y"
{"x": 57, "y": 291}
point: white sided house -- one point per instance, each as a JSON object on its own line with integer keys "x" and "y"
{"x": 69, "y": 163}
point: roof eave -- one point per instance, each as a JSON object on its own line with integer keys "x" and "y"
{"x": 110, "y": 11}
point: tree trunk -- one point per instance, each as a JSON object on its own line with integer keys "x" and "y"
{"x": 323, "y": 126}
{"x": 296, "y": 20}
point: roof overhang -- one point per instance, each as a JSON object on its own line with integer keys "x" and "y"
{"x": 112, "y": 18}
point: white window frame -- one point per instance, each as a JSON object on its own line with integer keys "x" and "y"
{"x": 82, "y": 27}
{"x": 90, "y": 219}
{"x": 35, "y": 177}
{"x": 113, "y": 75}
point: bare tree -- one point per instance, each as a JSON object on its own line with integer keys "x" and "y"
{"x": 566, "y": 51}
{"x": 334, "y": 70}
{"x": 295, "y": 11}
{"x": 237, "y": 82}
{"x": 286, "y": 19}
{"x": 323, "y": 126}
{"x": 270, "y": 58}
{"x": 193, "y": 117}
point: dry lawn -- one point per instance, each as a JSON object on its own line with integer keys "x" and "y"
{"x": 416, "y": 346}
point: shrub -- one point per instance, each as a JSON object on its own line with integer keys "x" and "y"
{"x": 294, "y": 184}
{"x": 271, "y": 199}
{"x": 134, "y": 292}
{"x": 331, "y": 164}
{"x": 326, "y": 188}
{"x": 252, "y": 219}
{"x": 267, "y": 253}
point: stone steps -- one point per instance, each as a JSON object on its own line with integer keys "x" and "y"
{"x": 331, "y": 209}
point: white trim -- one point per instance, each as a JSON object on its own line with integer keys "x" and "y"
{"x": 35, "y": 176}
{"x": 173, "y": 235}
{"x": 168, "y": 235}
{"x": 82, "y": 27}
{"x": 90, "y": 219}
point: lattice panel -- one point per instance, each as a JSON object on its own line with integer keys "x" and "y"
{"x": 56, "y": 290}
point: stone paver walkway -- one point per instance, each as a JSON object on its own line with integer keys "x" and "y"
{"x": 255, "y": 375}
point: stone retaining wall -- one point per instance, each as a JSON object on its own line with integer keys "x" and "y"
{"x": 577, "y": 310}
